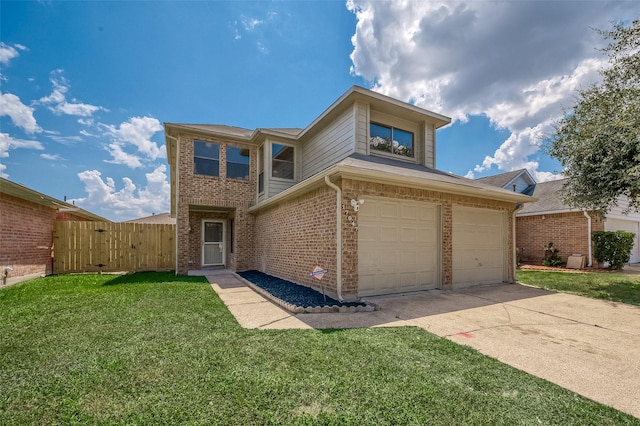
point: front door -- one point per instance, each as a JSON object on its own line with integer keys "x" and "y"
{"x": 213, "y": 244}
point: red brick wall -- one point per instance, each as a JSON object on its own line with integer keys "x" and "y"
{"x": 207, "y": 197}
{"x": 26, "y": 237}
{"x": 567, "y": 231}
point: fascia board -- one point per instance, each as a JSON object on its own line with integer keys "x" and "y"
{"x": 540, "y": 213}
{"x": 441, "y": 186}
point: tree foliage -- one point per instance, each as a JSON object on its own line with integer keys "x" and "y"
{"x": 598, "y": 142}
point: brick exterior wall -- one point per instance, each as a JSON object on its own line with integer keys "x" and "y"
{"x": 298, "y": 234}
{"x": 567, "y": 231}
{"x": 207, "y": 197}
{"x": 26, "y": 237}
{"x": 308, "y": 239}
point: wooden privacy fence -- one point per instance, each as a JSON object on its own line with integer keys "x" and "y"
{"x": 112, "y": 247}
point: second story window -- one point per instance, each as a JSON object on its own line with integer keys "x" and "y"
{"x": 282, "y": 161}
{"x": 237, "y": 163}
{"x": 389, "y": 139}
{"x": 261, "y": 169}
{"x": 206, "y": 158}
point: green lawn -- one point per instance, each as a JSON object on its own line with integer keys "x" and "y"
{"x": 623, "y": 288}
{"x": 152, "y": 348}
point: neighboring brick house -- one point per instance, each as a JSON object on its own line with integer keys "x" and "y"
{"x": 26, "y": 230}
{"x": 551, "y": 220}
{"x": 355, "y": 192}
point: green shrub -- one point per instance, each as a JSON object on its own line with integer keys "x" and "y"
{"x": 551, "y": 257}
{"x": 613, "y": 247}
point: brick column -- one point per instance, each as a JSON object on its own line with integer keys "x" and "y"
{"x": 447, "y": 245}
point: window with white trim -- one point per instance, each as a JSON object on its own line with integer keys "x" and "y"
{"x": 261, "y": 169}
{"x": 388, "y": 139}
{"x": 282, "y": 161}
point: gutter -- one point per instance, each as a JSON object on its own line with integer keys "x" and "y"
{"x": 515, "y": 256}
{"x": 588, "y": 236}
{"x": 338, "y": 235}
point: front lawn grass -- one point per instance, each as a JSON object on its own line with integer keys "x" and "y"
{"x": 615, "y": 287}
{"x": 152, "y": 348}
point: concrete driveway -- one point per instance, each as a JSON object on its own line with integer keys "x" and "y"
{"x": 589, "y": 346}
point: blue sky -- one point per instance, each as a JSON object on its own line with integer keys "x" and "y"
{"x": 86, "y": 86}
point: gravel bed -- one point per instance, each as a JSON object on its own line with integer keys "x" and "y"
{"x": 293, "y": 293}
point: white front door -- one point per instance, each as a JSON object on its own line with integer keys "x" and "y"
{"x": 213, "y": 244}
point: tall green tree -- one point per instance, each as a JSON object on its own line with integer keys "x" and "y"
{"x": 598, "y": 142}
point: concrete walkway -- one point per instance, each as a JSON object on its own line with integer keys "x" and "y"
{"x": 589, "y": 346}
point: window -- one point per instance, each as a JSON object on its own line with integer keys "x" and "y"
{"x": 282, "y": 161}
{"x": 206, "y": 158}
{"x": 261, "y": 169}
{"x": 391, "y": 140}
{"x": 237, "y": 163}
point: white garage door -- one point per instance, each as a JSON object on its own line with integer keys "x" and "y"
{"x": 629, "y": 226}
{"x": 397, "y": 246}
{"x": 479, "y": 246}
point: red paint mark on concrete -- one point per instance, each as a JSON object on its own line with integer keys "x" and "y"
{"x": 467, "y": 335}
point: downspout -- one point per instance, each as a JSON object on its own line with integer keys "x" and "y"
{"x": 588, "y": 236}
{"x": 338, "y": 235}
{"x": 515, "y": 248}
{"x": 176, "y": 201}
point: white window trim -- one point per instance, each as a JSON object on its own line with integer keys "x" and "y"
{"x": 270, "y": 162}
{"x": 391, "y": 155}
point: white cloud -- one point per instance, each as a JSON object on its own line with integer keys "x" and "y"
{"x": 249, "y": 23}
{"x": 518, "y": 63}
{"x": 58, "y": 103}
{"x": 128, "y": 202}
{"x": 8, "y": 52}
{"x": 21, "y": 115}
{"x": 8, "y": 142}
{"x": 120, "y": 157}
{"x": 51, "y": 157}
{"x": 137, "y": 132}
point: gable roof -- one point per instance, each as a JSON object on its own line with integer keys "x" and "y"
{"x": 381, "y": 102}
{"x": 24, "y": 193}
{"x": 506, "y": 180}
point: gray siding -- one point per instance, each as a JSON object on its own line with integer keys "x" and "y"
{"x": 362, "y": 128}
{"x": 279, "y": 185}
{"x": 429, "y": 145}
{"x": 521, "y": 185}
{"x": 330, "y": 145}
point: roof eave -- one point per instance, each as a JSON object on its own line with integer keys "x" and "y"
{"x": 390, "y": 178}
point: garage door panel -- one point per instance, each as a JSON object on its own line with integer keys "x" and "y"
{"x": 397, "y": 250}
{"x": 478, "y": 246}
{"x": 409, "y": 235}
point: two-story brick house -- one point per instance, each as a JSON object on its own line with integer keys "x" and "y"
{"x": 355, "y": 192}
